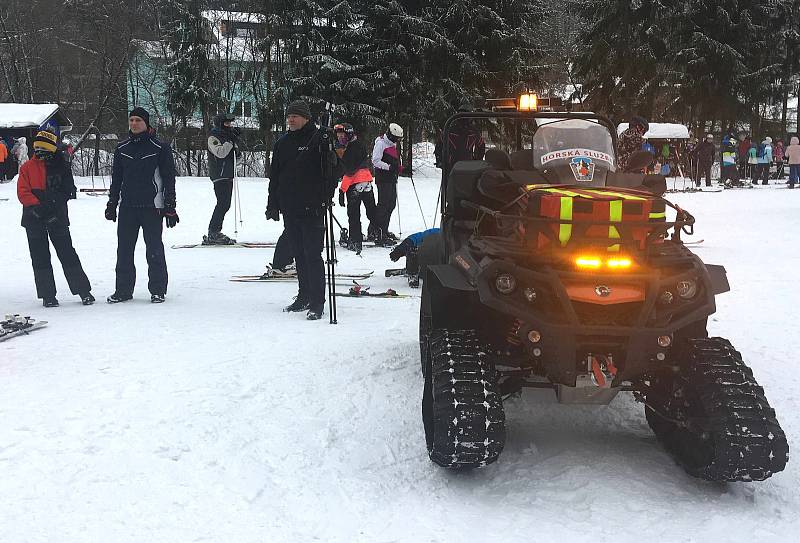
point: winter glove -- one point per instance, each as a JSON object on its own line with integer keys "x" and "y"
{"x": 341, "y": 199}
{"x": 45, "y": 213}
{"x": 170, "y": 216}
{"x": 272, "y": 214}
{"x": 111, "y": 211}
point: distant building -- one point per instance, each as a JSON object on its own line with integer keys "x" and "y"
{"x": 24, "y": 120}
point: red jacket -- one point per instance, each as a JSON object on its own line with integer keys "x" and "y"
{"x": 3, "y": 152}
{"x": 49, "y": 183}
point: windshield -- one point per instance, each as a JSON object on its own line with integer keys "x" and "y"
{"x": 581, "y": 145}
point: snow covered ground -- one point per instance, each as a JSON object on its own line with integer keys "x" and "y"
{"x": 216, "y": 417}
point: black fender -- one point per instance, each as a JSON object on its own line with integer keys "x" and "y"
{"x": 450, "y": 277}
{"x": 719, "y": 278}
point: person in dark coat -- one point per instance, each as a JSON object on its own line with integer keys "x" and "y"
{"x": 704, "y": 155}
{"x": 221, "y": 168}
{"x": 356, "y": 184}
{"x": 630, "y": 141}
{"x": 387, "y": 165}
{"x": 143, "y": 186}
{"x": 45, "y": 185}
{"x": 300, "y": 189}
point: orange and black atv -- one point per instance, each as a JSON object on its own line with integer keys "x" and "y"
{"x": 554, "y": 269}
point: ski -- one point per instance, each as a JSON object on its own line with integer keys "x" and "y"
{"x": 14, "y": 326}
{"x": 240, "y": 245}
{"x": 397, "y": 272}
{"x": 361, "y": 291}
{"x": 292, "y": 276}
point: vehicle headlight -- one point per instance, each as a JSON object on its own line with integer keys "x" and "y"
{"x": 505, "y": 283}
{"x": 687, "y": 289}
{"x": 530, "y": 294}
{"x": 665, "y": 298}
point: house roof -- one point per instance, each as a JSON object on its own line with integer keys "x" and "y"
{"x": 661, "y": 131}
{"x": 32, "y": 116}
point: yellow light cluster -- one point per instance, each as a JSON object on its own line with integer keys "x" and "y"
{"x": 527, "y": 102}
{"x": 595, "y": 263}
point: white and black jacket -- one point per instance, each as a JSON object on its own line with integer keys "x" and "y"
{"x": 143, "y": 174}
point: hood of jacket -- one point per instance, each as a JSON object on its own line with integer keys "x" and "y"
{"x": 794, "y": 141}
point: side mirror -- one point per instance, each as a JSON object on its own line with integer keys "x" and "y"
{"x": 638, "y": 161}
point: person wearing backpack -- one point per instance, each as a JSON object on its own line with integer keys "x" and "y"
{"x": 764, "y": 161}
{"x": 779, "y": 154}
{"x": 728, "y": 171}
{"x": 793, "y": 158}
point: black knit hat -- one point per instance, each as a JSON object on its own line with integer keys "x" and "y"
{"x": 299, "y": 107}
{"x": 139, "y": 111}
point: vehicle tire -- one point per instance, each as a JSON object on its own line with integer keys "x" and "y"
{"x": 713, "y": 417}
{"x": 425, "y": 325}
{"x": 462, "y": 409}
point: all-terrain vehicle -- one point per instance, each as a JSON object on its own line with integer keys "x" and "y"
{"x": 554, "y": 269}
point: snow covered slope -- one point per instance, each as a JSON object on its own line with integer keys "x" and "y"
{"x": 216, "y": 417}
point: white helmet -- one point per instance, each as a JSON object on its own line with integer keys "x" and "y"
{"x": 768, "y": 139}
{"x": 396, "y": 130}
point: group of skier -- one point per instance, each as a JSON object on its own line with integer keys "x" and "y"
{"x": 304, "y": 175}
{"x": 12, "y": 157}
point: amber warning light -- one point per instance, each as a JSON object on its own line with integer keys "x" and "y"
{"x": 527, "y": 102}
{"x": 595, "y": 263}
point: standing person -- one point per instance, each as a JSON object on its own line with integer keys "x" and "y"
{"x": 728, "y": 169}
{"x": 356, "y": 183}
{"x": 5, "y": 160}
{"x": 793, "y": 157}
{"x": 763, "y": 162}
{"x": 300, "y": 190}
{"x": 221, "y": 163}
{"x": 744, "y": 148}
{"x": 20, "y": 152}
{"x": 44, "y": 187}
{"x": 387, "y": 165}
{"x": 779, "y": 159}
{"x": 704, "y": 158}
{"x": 464, "y": 142}
{"x": 143, "y": 185}
{"x": 631, "y": 140}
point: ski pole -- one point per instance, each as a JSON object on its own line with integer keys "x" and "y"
{"x": 424, "y": 222}
{"x": 436, "y": 209}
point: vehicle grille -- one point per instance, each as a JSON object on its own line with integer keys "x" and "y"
{"x": 607, "y": 315}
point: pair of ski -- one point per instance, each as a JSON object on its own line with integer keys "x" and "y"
{"x": 361, "y": 291}
{"x": 14, "y": 325}
{"x": 278, "y": 277}
{"x": 238, "y": 245}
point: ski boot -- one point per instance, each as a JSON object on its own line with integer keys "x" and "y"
{"x": 157, "y": 298}
{"x": 296, "y": 306}
{"x": 315, "y": 312}
{"x": 217, "y": 238}
{"x": 118, "y": 298}
{"x": 355, "y": 246}
{"x": 50, "y": 301}
{"x": 287, "y": 271}
{"x": 87, "y": 298}
{"x": 344, "y": 237}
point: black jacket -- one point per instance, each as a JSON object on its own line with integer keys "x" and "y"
{"x": 220, "y": 140}
{"x": 705, "y": 152}
{"x": 143, "y": 174}
{"x": 355, "y": 157}
{"x": 296, "y": 185}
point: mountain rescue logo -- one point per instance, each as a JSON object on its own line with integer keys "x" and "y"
{"x": 582, "y": 169}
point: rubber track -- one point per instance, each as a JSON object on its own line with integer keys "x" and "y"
{"x": 468, "y": 417}
{"x": 733, "y": 433}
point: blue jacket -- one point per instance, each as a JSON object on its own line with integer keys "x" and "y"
{"x": 143, "y": 174}
{"x": 417, "y": 238}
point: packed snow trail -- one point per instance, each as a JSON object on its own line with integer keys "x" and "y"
{"x": 216, "y": 417}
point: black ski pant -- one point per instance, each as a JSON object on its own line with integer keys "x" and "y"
{"x": 306, "y": 237}
{"x": 387, "y": 200}
{"x": 223, "y": 189}
{"x": 743, "y": 168}
{"x": 703, "y": 169}
{"x": 354, "y": 201}
{"x": 761, "y": 171}
{"x": 2, "y": 171}
{"x": 40, "y": 259}
{"x": 130, "y": 221}
{"x": 729, "y": 172}
{"x": 283, "y": 255}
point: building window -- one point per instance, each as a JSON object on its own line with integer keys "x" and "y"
{"x": 248, "y": 109}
